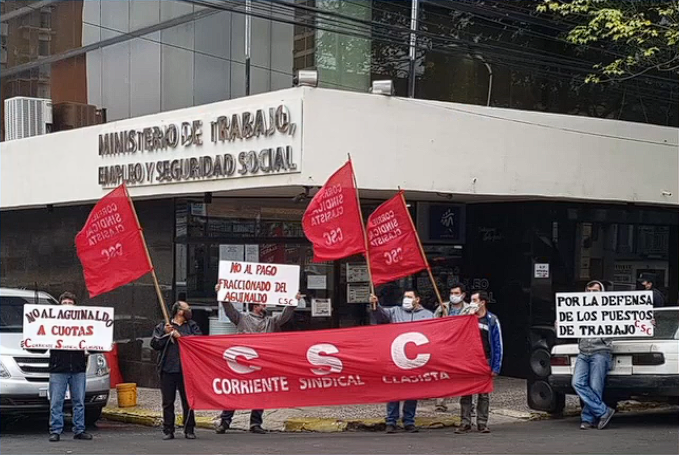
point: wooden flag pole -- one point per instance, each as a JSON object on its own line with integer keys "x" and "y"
{"x": 161, "y": 300}
{"x": 365, "y": 233}
{"x": 424, "y": 256}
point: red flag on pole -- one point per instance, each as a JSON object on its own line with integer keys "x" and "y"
{"x": 332, "y": 222}
{"x": 110, "y": 246}
{"x": 393, "y": 243}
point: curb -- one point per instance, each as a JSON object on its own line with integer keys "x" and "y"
{"x": 141, "y": 416}
{"x": 329, "y": 425}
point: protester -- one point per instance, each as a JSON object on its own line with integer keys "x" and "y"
{"x": 648, "y": 282}
{"x": 455, "y": 305}
{"x": 165, "y": 339}
{"x": 491, "y": 337}
{"x": 254, "y": 321}
{"x": 410, "y": 310}
{"x": 456, "y": 302}
{"x": 589, "y": 377}
{"x": 67, "y": 371}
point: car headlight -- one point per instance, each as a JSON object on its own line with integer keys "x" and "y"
{"x": 3, "y": 371}
{"x": 102, "y": 365}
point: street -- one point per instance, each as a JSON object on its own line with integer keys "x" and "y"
{"x": 633, "y": 433}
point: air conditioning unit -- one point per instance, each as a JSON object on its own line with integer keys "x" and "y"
{"x": 68, "y": 116}
{"x": 26, "y": 117}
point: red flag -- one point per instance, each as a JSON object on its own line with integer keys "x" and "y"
{"x": 110, "y": 246}
{"x": 335, "y": 367}
{"x": 332, "y": 222}
{"x": 393, "y": 245}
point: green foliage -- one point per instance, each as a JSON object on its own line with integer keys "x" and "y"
{"x": 642, "y": 36}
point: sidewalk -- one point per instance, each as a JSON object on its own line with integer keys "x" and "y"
{"x": 508, "y": 403}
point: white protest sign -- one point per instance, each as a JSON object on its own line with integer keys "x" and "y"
{"x": 77, "y": 328}
{"x": 604, "y": 314}
{"x": 252, "y": 282}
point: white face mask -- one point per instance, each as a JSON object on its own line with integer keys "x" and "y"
{"x": 407, "y": 303}
{"x": 456, "y": 299}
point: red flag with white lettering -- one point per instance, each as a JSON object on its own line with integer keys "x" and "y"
{"x": 110, "y": 245}
{"x": 332, "y": 221}
{"x": 393, "y": 245}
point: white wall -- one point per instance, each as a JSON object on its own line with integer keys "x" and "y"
{"x": 415, "y": 144}
{"x": 453, "y": 148}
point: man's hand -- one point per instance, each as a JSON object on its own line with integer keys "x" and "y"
{"x": 374, "y": 300}
{"x": 493, "y": 374}
{"x": 217, "y": 287}
{"x": 176, "y": 334}
{"x": 168, "y": 328}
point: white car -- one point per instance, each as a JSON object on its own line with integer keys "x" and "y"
{"x": 642, "y": 368}
{"x": 24, "y": 376}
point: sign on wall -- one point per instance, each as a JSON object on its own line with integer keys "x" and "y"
{"x": 78, "y": 328}
{"x": 604, "y": 314}
{"x": 262, "y": 140}
{"x": 321, "y": 308}
{"x": 257, "y": 283}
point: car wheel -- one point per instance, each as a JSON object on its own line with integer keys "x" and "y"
{"x": 92, "y": 415}
{"x": 542, "y": 397}
{"x": 539, "y": 362}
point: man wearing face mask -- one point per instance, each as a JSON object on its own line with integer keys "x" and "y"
{"x": 491, "y": 338}
{"x": 410, "y": 310}
{"x": 254, "y": 321}
{"x": 169, "y": 365}
{"x": 454, "y": 307}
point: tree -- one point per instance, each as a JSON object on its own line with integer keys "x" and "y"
{"x": 640, "y": 36}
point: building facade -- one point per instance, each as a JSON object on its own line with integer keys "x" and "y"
{"x": 496, "y": 194}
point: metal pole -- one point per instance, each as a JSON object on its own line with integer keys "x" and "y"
{"x": 248, "y": 43}
{"x": 490, "y": 81}
{"x": 414, "y": 7}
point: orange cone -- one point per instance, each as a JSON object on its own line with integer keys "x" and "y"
{"x": 112, "y": 360}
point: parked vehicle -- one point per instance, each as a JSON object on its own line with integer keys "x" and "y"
{"x": 24, "y": 376}
{"x": 642, "y": 368}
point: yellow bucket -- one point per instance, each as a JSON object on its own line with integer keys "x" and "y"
{"x": 127, "y": 395}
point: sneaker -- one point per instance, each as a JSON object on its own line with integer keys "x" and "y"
{"x": 55, "y": 437}
{"x": 587, "y": 426}
{"x": 390, "y": 429}
{"x": 168, "y": 436}
{"x": 606, "y": 419}
{"x": 83, "y": 436}
{"x": 464, "y": 429}
{"x": 221, "y": 429}
{"x": 257, "y": 429}
{"x": 484, "y": 429}
{"x": 190, "y": 435}
{"x": 411, "y": 429}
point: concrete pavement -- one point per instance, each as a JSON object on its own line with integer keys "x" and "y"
{"x": 648, "y": 433}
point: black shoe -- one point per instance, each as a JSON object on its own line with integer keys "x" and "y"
{"x": 257, "y": 429}
{"x": 606, "y": 419}
{"x": 168, "y": 436}
{"x": 55, "y": 437}
{"x": 484, "y": 429}
{"x": 190, "y": 435}
{"x": 84, "y": 436}
{"x": 411, "y": 429}
{"x": 464, "y": 429}
{"x": 390, "y": 429}
{"x": 221, "y": 429}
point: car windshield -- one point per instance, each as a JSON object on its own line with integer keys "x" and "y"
{"x": 12, "y": 311}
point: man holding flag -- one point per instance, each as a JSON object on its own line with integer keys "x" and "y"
{"x": 409, "y": 310}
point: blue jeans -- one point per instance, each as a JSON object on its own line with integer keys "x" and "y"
{"x": 589, "y": 379}
{"x": 409, "y": 408}
{"x": 76, "y": 384}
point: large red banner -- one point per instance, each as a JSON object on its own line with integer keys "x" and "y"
{"x": 110, "y": 246}
{"x": 392, "y": 242}
{"x": 376, "y": 364}
{"x": 332, "y": 221}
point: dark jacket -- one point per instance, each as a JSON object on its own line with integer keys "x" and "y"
{"x": 67, "y": 361}
{"x": 658, "y": 298}
{"x": 168, "y": 361}
{"x": 496, "y": 346}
